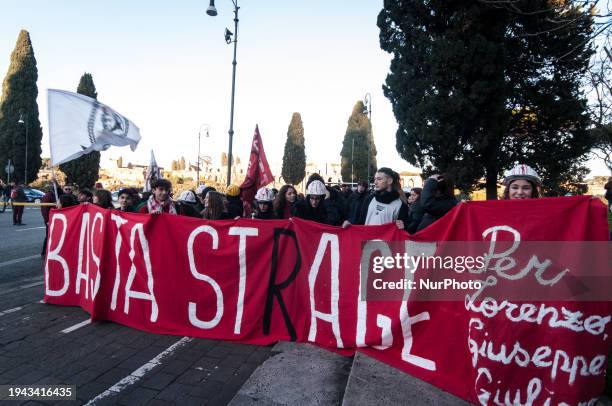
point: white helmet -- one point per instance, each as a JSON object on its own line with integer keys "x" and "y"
{"x": 200, "y": 189}
{"x": 316, "y": 188}
{"x": 264, "y": 195}
{"x": 187, "y": 196}
{"x": 522, "y": 171}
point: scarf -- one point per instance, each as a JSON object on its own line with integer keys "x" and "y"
{"x": 156, "y": 207}
{"x": 386, "y": 197}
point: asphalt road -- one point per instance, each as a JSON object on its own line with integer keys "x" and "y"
{"x": 43, "y": 344}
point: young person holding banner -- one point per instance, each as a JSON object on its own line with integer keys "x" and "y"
{"x": 316, "y": 207}
{"x": 160, "y": 201}
{"x": 521, "y": 182}
{"x": 387, "y": 204}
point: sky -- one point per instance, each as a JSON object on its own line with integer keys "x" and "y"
{"x": 165, "y": 66}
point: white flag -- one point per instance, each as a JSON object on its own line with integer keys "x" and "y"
{"x": 152, "y": 172}
{"x": 79, "y": 124}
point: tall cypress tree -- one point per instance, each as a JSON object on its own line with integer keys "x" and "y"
{"x": 357, "y": 144}
{"x": 479, "y": 86}
{"x": 84, "y": 171}
{"x": 294, "y": 158}
{"x": 18, "y": 103}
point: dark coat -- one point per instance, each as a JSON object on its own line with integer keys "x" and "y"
{"x": 187, "y": 209}
{"x": 234, "y": 206}
{"x": 434, "y": 207}
{"x": 264, "y": 215}
{"x": 326, "y": 213}
{"x": 20, "y": 195}
{"x": 337, "y": 200}
{"x": 355, "y": 203}
{"x": 415, "y": 216}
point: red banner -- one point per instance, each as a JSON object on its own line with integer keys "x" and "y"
{"x": 263, "y": 281}
{"x": 258, "y": 172}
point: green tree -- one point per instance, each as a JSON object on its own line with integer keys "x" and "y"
{"x": 84, "y": 171}
{"x": 18, "y": 103}
{"x": 358, "y": 142}
{"x": 479, "y": 86}
{"x": 294, "y": 158}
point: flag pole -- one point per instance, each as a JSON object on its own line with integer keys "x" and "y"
{"x": 54, "y": 181}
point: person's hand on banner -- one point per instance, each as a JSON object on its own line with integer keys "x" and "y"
{"x": 346, "y": 224}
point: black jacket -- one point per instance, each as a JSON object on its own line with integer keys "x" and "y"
{"x": 187, "y": 209}
{"x": 434, "y": 207}
{"x": 234, "y": 206}
{"x": 264, "y": 215}
{"x": 326, "y": 213}
{"x": 337, "y": 200}
{"x": 415, "y": 216}
{"x": 355, "y": 203}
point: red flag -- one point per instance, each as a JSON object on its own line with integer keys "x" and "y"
{"x": 258, "y": 172}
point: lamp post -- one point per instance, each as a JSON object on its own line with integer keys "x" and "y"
{"x": 367, "y": 109}
{"x": 352, "y": 149}
{"x": 199, "y": 138}
{"x": 25, "y": 172}
{"x": 212, "y": 11}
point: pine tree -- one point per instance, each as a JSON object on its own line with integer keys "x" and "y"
{"x": 479, "y": 86}
{"x": 358, "y": 143}
{"x": 84, "y": 171}
{"x": 18, "y": 103}
{"x": 294, "y": 158}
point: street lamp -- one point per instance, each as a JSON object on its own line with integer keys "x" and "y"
{"x": 367, "y": 109}
{"x": 352, "y": 149}
{"x": 199, "y": 136}
{"x": 212, "y": 11}
{"x": 25, "y": 172}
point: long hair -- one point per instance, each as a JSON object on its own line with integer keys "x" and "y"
{"x": 215, "y": 207}
{"x": 281, "y": 201}
{"x": 105, "y": 199}
{"x": 535, "y": 193}
{"x": 417, "y": 190}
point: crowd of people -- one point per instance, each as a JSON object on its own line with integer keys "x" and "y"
{"x": 332, "y": 205}
{"x": 385, "y": 203}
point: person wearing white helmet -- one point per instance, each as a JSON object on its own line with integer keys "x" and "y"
{"x": 264, "y": 198}
{"x": 315, "y": 207}
{"x": 186, "y": 204}
{"x": 521, "y": 182}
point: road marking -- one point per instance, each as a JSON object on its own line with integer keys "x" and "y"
{"x": 76, "y": 326}
{"x": 8, "y": 311}
{"x": 18, "y": 260}
{"x": 32, "y": 228}
{"x": 29, "y": 285}
{"x": 137, "y": 374}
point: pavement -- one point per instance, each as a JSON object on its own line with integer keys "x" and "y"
{"x": 109, "y": 363}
